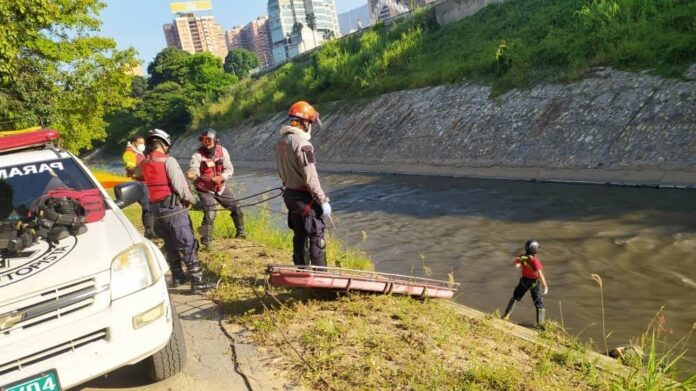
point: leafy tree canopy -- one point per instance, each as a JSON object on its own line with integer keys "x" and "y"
{"x": 55, "y": 72}
{"x": 240, "y": 61}
{"x": 169, "y": 65}
{"x": 207, "y": 78}
{"x": 166, "y": 107}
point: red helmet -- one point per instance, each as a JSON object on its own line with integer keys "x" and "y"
{"x": 304, "y": 111}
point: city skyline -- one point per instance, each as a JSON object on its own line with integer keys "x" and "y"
{"x": 285, "y": 18}
{"x": 139, "y": 24}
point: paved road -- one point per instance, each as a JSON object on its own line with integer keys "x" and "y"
{"x": 210, "y": 363}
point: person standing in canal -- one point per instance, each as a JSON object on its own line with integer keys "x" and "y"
{"x": 308, "y": 206}
{"x": 209, "y": 169}
{"x": 532, "y": 275}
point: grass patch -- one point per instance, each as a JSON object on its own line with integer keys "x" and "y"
{"x": 367, "y": 342}
{"x": 517, "y": 44}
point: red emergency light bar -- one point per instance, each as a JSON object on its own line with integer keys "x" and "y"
{"x": 15, "y": 141}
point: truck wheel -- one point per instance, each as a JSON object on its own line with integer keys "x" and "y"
{"x": 171, "y": 359}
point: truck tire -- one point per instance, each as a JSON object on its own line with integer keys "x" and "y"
{"x": 171, "y": 359}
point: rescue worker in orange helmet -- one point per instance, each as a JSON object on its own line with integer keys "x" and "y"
{"x": 169, "y": 198}
{"x": 308, "y": 206}
{"x": 209, "y": 169}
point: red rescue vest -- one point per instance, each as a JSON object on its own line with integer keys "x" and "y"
{"x": 210, "y": 167}
{"x": 155, "y": 176}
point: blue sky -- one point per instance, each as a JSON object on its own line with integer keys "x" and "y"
{"x": 138, "y": 23}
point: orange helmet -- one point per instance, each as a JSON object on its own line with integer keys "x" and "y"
{"x": 304, "y": 111}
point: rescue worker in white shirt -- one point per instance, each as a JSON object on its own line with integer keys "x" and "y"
{"x": 308, "y": 206}
{"x": 169, "y": 198}
{"x": 209, "y": 169}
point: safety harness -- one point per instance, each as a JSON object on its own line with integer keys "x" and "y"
{"x": 15, "y": 236}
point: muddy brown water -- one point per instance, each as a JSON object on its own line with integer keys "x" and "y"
{"x": 640, "y": 241}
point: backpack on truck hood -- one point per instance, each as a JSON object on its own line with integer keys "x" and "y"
{"x": 90, "y": 200}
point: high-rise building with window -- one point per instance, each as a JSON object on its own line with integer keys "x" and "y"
{"x": 234, "y": 39}
{"x": 196, "y": 34}
{"x": 300, "y": 25}
{"x": 254, "y": 36}
{"x": 258, "y": 36}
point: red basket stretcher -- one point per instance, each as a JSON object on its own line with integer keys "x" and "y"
{"x": 339, "y": 279}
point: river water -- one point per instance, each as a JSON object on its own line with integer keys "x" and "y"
{"x": 640, "y": 241}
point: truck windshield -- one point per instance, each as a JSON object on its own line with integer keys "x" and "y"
{"x": 21, "y": 184}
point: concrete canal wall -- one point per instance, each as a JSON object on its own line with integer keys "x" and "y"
{"x": 612, "y": 126}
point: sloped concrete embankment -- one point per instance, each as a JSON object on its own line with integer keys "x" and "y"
{"x": 612, "y": 126}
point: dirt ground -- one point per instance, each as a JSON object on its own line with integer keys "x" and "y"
{"x": 216, "y": 357}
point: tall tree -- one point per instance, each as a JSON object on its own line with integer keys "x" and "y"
{"x": 240, "y": 61}
{"x": 170, "y": 64}
{"x": 206, "y": 77}
{"x": 55, "y": 72}
{"x": 166, "y": 106}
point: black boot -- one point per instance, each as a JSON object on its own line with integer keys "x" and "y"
{"x": 179, "y": 278}
{"x": 541, "y": 317}
{"x": 149, "y": 225}
{"x": 238, "y": 219}
{"x": 508, "y": 310}
{"x": 205, "y": 241}
{"x": 206, "y": 232}
{"x": 195, "y": 271}
{"x": 198, "y": 284}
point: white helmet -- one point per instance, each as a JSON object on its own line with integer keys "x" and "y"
{"x": 531, "y": 247}
{"x": 160, "y": 134}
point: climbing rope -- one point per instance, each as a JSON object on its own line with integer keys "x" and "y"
{"x": 280, "y": 190}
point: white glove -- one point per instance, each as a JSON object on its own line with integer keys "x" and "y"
{"x": 546, "y": 290}
{"x": 326, "y": 208}
{"x": 517, "y": 265}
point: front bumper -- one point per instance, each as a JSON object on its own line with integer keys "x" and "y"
{"x": 90, "y": 346}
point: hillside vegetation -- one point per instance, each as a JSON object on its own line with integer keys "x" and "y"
{"x": 516, "y": 44}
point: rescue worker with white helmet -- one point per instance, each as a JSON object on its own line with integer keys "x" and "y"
{"x": 308, "y": 206}
{"x": 169, "y": 199}
{"x": 209, "y": 169}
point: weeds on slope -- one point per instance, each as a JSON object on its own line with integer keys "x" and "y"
{"x": 516, "y": 44}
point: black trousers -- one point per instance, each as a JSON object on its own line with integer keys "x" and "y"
{"x": 173, "y": 224}
{"x": 531, "y": 285}
{"x": 227, "y": 199}
{"x": 308, "y": 227}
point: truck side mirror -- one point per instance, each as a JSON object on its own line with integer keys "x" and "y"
{"x": 127, "y": 193}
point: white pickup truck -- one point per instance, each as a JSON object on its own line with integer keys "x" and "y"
{"x": 82, "y": 306}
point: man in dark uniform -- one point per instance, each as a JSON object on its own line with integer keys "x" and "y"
{"x": 210, "y": 168}
{"x": 308, "y": 206}
{"x": 169, "y": 198}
